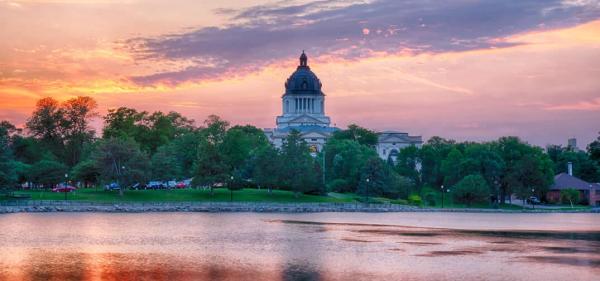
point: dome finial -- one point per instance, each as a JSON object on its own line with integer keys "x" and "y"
{"x": 303, "y": 59}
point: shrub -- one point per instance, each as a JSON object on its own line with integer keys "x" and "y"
{"x": 338, "y": 185}
{"x": 430, "y": 198}
{"x": 415, "y": 199}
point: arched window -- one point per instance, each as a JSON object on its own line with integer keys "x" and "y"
{"x": 287, "y": 106}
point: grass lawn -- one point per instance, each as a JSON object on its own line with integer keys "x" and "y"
{"x": 220, "y": 195}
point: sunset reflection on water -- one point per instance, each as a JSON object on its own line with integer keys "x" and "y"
{"x": 331, "y": 246}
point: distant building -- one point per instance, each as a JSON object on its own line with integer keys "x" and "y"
{"x": 303, "y": 110}
{"x": 588, "y": 192}
{"x": 572, "y": 144}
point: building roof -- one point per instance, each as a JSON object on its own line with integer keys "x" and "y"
{"x": 565, "y": 181}
{"x": 303, "y": 81}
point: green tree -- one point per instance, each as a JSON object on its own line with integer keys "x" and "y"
{"x": 240, "y": 143}
{"x": 211, "y": 165}
{"x": 471, "y": 189}
{"x": 432, "y": 154}
{"x": 8, "y": 174}
{"x": 165, "y": 165}
{"x": 46, "y": 124}
{"x": 149, "y": 130}
{"x": 451, "y": 167}
{"x": 358, "y": 134}
{"x": 484, "y": 160}
{"x": 77, "y": 114}
{"x": 86, "y": 172}
{"x": 300, "y": 171}
{"x": 593, "y": 150}
{"x": 344, "y": 160}
{"x": 408, "y": 163}
{"x": 47, "y": 172}
{"x": 374, "y": 178}
{"x": 569, "y": 195}
{"x": 121, "y": 161}
{"x": 267, "y": 170}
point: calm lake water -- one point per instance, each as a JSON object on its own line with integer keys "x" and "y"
{"x": 323, "y": 246}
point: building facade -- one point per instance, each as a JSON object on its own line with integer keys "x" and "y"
{"x": 303, "y": 110}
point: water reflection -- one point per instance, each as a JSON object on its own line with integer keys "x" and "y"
{"x": 194, "y": 246}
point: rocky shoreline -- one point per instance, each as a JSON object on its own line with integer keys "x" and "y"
{"x": 73, "y": 206}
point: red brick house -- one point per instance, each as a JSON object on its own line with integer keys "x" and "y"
{"x": 589, "y": 193}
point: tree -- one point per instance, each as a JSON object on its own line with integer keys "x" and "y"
{"x": 432, "y": 154}
{"x": 87, "y": 172}
{"x": 593, "y": 150}
{"x": 267, "y": 165}
{"x": 451, "y": 167}
{"x": 484, "y": 160}
{"x": 408, "y": 162}
{"x": 47, "y": 172}
{"x": 46, "y": 124}
{"x": 149, "y": 130}
{"x": 300, "y": 172}
{"x": 8, "y": 174}
{"x": 569, "y": 195}
{"x": 374, "y": 178}
{"x": 239, "y": 143}
{"x": 77, "y": 114}
{"x": 211, "y": 167}
{"x": 165, "y": 165}
{"x": 358, "y": 134}
{"x": 121, "y": 160}
{"x": 471, "y": 189}
{"x": 344, "y": 160}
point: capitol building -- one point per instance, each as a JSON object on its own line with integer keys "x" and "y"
{"x": 303, "y": 109}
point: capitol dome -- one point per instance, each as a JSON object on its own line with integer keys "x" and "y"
{"x": 303, "y": 81}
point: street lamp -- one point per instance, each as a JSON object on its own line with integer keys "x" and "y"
{"x": 443, "y": 194}
{"x": 367, "y": 189}
{"x": 231, "y": 189}
{"x": 533, "y": 193}
{"x": 65, "y": 186}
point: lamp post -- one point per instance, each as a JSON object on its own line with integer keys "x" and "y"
{"x": 532, "y": 193}
{"x": 443, "y": 195}
{"x": 231, "y": 189}
{"x": 367, "y": 190}
{"x": 65, "y": 189}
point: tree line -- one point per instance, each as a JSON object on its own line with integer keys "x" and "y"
{"x": 138, "y": 146}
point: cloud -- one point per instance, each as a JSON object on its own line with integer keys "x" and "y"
{"x": 261, "y": 35}
{"x": 593, "y": 105}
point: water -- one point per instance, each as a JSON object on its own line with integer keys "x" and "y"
{"x": 325, "y": 246}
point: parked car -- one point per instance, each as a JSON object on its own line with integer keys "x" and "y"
{"x": 533, "y": 200}
{"x": 64, "y": 188}
{"x": 139, "y": 186}
{"x": 180, "y": 185}
{"x": 156, "y": 185}
{"x": 112, "y": 186}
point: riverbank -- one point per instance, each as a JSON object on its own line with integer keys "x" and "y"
{"x": 262, "y": 207}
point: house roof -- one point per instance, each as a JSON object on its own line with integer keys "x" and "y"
{"x": 565, "y": 181}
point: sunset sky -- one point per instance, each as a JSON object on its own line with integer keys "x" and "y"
{"x": 468, "y": 70}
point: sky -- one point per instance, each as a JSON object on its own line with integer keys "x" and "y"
{"x": 463, "y": 69}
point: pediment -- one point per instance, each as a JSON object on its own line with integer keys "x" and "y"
{"x": 314, "y": 135}
{"x": 394, "y": 139}
{"x": 305, "y": 119}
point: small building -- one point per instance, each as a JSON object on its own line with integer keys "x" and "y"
{"x": 589, "y": 193}
{"x": 389, "y": 143}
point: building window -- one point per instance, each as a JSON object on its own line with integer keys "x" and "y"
{"x": 313, "y": 139}
{"x": 287, "y": 106}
